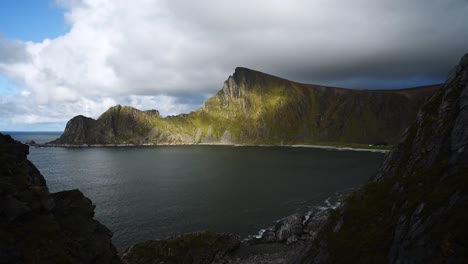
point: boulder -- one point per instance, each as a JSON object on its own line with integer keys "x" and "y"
{"x": 316, "y": 222}
{"x": 31, "y": 143}
{"x": 268, "y": 236}
{"x": 291, "y": 240}
{"x": 289, "y": 226}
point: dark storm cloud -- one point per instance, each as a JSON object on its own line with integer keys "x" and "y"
{"x": 334, "y": 41}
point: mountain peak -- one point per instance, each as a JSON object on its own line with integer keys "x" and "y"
{"x": 243, "y": 75}
{"x": 245, "y": 79}
{"x": 240, "y": 69}
{"x": 462, "y": 66}
{"x": 250, "y": 75}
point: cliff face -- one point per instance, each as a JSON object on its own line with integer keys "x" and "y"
{"x": 415, "y": 209}
{"x": 117, "y": 125}
{"x": 39, "y": 227}
{"x": 254, "y": 107}
{"x": 257, "y": 108}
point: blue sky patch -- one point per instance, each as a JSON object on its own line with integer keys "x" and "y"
{"x": 31, "y": 20}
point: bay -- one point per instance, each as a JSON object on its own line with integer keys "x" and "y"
{"x": 146, "y": 193}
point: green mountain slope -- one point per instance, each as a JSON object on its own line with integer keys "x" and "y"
{"x": 415, "y": 210}
{"x": 257, "y": 108}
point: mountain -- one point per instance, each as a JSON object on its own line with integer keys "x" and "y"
{"x": 257, "y": 108}
{"x": 415, "y": 209}
{"x": 37, "y": 226}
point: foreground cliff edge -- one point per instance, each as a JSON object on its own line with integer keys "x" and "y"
{"x": 41, "y": 227}
{"x": 415, "y": 209}
{"x": 255, "y": 108}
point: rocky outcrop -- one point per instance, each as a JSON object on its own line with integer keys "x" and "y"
{"x": 289, "y": 229}
{"x": 78, "y": 130}
{"x": 434, "y": 149}
{"x": 281, "y": 243}
{"x": 257, "y": 108}
{"x": 415, "y": 208}
{"x": 193, "y": 248}
{"x": 440, "y": 130}
{"x": 39, "y": 227}
{"x": 31, "y": 143}
{"x": 293, "y": 228}
{"x": 118, "y": 125}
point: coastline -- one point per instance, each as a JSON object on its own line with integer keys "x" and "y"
{"x": 326, "y": 147}
{"x": 342, "y": 148}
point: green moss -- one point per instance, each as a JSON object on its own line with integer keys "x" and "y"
{"x": 196, "y": 247}
{"x": 368, "y": 224}
{"x": 371, "y": 215}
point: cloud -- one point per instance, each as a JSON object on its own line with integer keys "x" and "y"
{"x": 12, "y": 51}
{"x": 169, "y": 55}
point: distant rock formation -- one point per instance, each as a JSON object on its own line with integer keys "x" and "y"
{"x": 415, "y": 209}
{"x": 31, "y": 143}
{"x": 39, "y": 227}
{"x": 257, "y": 108}
{"x": 117, "y": 125}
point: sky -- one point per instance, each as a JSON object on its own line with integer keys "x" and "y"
{"x": 62, "y": 58}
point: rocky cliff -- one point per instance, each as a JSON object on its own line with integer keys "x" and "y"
{"x": 39, "y": 227}
{"x": 117, "y": 125}
{"x": 415, "y": 209}
{"x": 257, "y": 108}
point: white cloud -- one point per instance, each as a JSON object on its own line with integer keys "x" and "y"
{"x": 155, "y": 53}
{"x": 170, "y": 104}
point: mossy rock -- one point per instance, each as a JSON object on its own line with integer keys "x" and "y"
{"x": 193, "y": 248}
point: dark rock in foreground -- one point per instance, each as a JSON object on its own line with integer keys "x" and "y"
{"x": 193, "y": 248}
{"x": 39, "y": 227}
{"x": 283, "y": 242}
{"x": 289, "y": 228}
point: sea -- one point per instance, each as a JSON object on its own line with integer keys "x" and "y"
{"x": 144, "y": 193}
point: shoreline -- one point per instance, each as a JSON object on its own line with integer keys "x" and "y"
{"x": 282, "y": 241}
{"x": 326, "y": 147}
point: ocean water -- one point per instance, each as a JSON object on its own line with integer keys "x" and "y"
{"x": 38, "y": 137}
{"x": 146, "y": 193}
